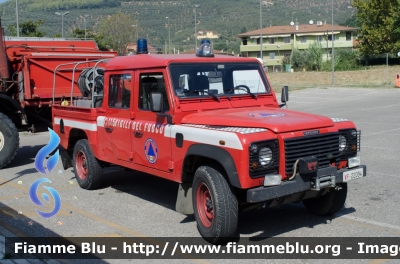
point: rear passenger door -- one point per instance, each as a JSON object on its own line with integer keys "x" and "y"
{"x": 117, "y": 122}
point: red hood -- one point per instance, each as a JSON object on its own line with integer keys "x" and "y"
{"x": 275, "y": 119}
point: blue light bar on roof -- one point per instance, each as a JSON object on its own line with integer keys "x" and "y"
{"x": 205, "y": 49}
{"x": 142, "y": 46}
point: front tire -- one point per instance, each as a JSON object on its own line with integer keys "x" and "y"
{"x": 9, "y": 140}
{"x": 215, "y": 206}
{"x": 87, "y": 169}
{"x": 329, "y": 204}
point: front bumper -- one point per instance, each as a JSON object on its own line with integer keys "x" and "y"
{"x": 298, "y": 184}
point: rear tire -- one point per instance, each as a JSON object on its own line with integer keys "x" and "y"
{"x": 9, "y": 140}
{"x": 215, "y": 206}
{"x": 329, "y": 204}
{"x": 87, "y": 169}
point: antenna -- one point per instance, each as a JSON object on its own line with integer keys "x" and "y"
{"x": 292, "y": 23}
{"x": 311, "y": 22}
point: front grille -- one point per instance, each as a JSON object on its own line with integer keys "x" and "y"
{"x": 325, "y": 147}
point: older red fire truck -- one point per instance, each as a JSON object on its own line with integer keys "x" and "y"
{"x": 26, "y": 82}
{"x": 213, "y": 125}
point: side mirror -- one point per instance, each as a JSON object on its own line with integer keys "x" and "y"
{"x": 284, "y": 96}
{"x": 156, "y": 102}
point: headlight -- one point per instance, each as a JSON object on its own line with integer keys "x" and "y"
{"x": 342, "y": 143}
{"x": 349, "y": 143}
{"x": 265, "y": 156}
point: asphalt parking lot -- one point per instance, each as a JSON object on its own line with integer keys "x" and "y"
{"x": 131, "y": 204}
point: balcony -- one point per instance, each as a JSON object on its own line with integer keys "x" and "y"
{"x": 325, "y": 44}
{"x": 266, "y": 47}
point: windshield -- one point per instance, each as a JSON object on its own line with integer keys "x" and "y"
{"x": 218, "y": 79}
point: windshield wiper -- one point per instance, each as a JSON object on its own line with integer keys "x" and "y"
{"x": 214, "y": 96}
{"x": 243, "y": 87}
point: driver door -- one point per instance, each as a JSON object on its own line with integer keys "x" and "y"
{"x": 152, "y": 148}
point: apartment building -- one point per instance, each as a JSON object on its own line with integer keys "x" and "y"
{"x": 279, "y": 41}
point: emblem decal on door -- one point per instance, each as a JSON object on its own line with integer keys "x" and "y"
{"x": 151, "y": 150}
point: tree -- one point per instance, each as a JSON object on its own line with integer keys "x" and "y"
{"x": 79, "y": 33}
{"x": 315, "y": 61}
{"x": 299, "y": 59}
{"x": 117, "y": 32}
{"x": 350, "y": 22}
{"x": 27, "y": 29}
{"x": 378, "y": 21}
{"x": 99, "y": 39}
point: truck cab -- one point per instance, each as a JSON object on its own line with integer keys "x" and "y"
{"x": 212, "y": 124}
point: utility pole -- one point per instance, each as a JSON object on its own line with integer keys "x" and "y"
{"x": 137, "y": 30}
{"x": 261, "y": 42}
{"x": 84, "y": 18}
{"x": 16, "y": 13}
{"x": 169, "y": 36}
{"x": 333, "y": 52}
{"x": 195, "y": 22}
{"x": 62, "y": 22}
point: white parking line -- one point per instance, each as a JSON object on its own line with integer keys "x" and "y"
{"x": 372, "y": 108}
{"x": 385, "y": 174}
{"x": 381, "y": 148}
{"x": 371, "y": 222}
{"x": 380, "y": 132}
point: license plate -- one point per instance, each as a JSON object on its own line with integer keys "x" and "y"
{"x": 352, "y": 174}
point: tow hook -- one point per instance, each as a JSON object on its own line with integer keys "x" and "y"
{"x": 32, "y": 128}
{"x": 323, "y": 182}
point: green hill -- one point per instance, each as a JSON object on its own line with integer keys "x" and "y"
{"x": 225, "y": 18}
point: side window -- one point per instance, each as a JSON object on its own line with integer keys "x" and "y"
{"x": 119, "y": 94}
{"x": 151, "y": 83}
{"x": 330, "y": 37}
{"x": 272, "y": 55}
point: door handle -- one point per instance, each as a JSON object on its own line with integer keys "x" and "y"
{"x": 138, "y": 134}
{"x": 109, "y": 129}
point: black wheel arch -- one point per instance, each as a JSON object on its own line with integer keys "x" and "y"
{"x": 66, "y": 154}
{"x": 13, "y": 110}
{"x": 202, "y": 154}
{"x": 75, "y": 134}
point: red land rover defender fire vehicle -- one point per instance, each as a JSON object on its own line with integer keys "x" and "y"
{"x": 212, "y": 124}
